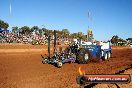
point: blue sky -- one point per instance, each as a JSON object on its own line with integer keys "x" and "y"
{"x": 107, "y": 17}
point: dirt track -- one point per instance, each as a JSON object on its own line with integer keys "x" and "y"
{"x": 21, "y": 67}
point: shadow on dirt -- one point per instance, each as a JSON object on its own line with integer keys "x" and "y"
{"x": 90, "y": 85}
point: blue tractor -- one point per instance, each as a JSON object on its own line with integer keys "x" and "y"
{"x": 101, "y": 51}
{"x": 85, "y": 51}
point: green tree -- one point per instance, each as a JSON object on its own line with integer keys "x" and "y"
{"x": 129, "y": 39}
{"x": 74, "y": 35}
{"x": 6, "y": 25}
{"x": 25, "y": 30}
{"x": 3, "y": 24}
{"x": 51, "y": 32}
{"x": 114, "y": 40}
{"x": 84, "y": 37}
{"x": 65, "y": 33}
{"x": 15, "y": 29}
{"x": 121, "y": 42}
{"x": 80, "y": 35}
{"x": 40, "y": 32}
{"x": 117, "y": 40}
{"x": 35, "y": 28}
{"x": 45, "y": 31}
{"x": 59, "y": 33}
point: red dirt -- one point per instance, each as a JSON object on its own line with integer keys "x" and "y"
{"x": 24, "y": 69}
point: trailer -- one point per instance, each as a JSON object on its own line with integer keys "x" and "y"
{"x": 58, "y": 58}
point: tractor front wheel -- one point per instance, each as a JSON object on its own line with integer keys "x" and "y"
{"x": 106, "y": 56}
{"x": 109, "y": 55}
{"x": 59, "y": 64}
{"x": 45, "y": 61}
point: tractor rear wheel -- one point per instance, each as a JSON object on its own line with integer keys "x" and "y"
{"x": 83, "y": 56}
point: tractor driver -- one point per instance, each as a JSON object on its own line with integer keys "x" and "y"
{"x": 75, "y": 46}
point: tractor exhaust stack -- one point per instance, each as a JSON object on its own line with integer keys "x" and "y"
{"x": 54, "y": 41}
{"x": 49, "y": 44}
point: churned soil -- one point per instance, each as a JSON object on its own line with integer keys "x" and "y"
{"x": 21, "y": 67}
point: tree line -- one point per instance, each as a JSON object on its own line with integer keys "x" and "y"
{"x": 3, "y": 24}
{"x": 64, "y": 33}
{"x": 116, "y": 40}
